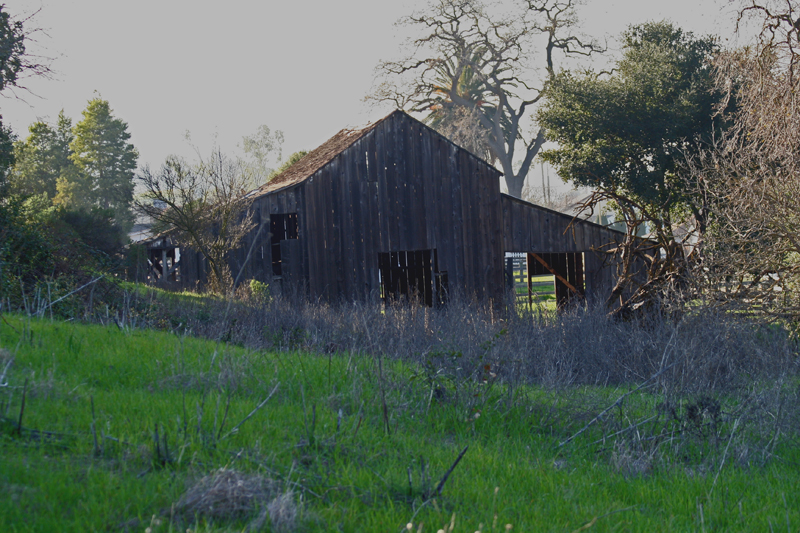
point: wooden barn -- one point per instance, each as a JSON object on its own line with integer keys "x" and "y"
{"x": 396, "y": 209}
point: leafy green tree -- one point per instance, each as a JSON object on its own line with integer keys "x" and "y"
{"x": 43, "y": 158}
{"x": 16, "y": 240}
{"x": 294, "y": 158}
{"x": 626, "y": 134}
{"x": 6, "y": 155}
{"x": 37, "y": 239}
{"x": 101, "y": 151}
{"x": 260, "y": 149}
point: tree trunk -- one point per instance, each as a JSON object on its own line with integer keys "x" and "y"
{"x": 515, "y": 184}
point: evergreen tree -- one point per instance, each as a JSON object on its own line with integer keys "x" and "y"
{"x": 101, "y": 151}
{"x": 42, "y": 159}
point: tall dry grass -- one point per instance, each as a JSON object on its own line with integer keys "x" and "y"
{"x": 700, "y": 352}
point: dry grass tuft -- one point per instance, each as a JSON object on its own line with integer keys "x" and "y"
{"x": 283, "y": 512}
{"x": 630, "y": 462}
{"x": 227, "y": 495}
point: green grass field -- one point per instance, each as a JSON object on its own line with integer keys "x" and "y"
{"x": 128, "y": 430}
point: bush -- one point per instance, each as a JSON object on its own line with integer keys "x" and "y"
{"x": 25, "y": 251}
{"x": 43, "y": 247}
{"x": 102, "y": 236}
{"x": 259, "y": 291}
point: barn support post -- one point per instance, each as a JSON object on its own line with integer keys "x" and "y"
{"x": 528, "y": 271}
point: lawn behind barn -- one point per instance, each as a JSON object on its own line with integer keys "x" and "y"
{"x": 125, "y": 430}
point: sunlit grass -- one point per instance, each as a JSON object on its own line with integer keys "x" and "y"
{"x": 326, "y": 436}
{"x": 144, "y": 290}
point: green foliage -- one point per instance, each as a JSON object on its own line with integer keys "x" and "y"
{"x": 43, "y": 159}
{"x": 25, "y": 251}
{"x": 260, "y": 291}
{"x": 93, "y": 231}
{"x": 627, "y": 132}
{"x": 97, "y": 228}
{"x": 15, "y": 63}
{"x": 294, "y": 158}
{"x": 45, "y": 244}
{"x": 259, "y": 149}
{"x": 6, "y": 155}
{"x": 101, "y": 151}
{"x": 73, "y": 200}
{"x": 12, "y": 49}
{"x": 119, "y": 425}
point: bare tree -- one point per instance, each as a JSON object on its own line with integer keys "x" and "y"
{"x": 751, "y": 176}
{"x": 470, "y": 69}
{"x": 203, "y": 206}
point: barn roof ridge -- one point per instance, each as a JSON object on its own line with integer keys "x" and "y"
{"x": 327, "y": 152}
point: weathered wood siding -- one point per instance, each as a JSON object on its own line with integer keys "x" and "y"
{"x": 531, "y": 228}
{"x": 401, "y": 187}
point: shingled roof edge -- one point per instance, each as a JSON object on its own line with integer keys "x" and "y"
{"x": 327, "y": 152}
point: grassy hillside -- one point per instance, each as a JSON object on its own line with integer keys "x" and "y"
{"x": 125, "y": 430}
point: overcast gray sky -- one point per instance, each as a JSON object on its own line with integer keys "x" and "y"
{"x": 224, "y": 68}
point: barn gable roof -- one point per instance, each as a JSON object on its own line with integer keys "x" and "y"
{"x": 316, "y": 159}
{"x": 327, "y": 151}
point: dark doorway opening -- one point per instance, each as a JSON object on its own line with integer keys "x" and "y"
{"x": 412, "y": 275}
{"x": 567, "y": 268}
{"x": 282, "y": 227}
{"x": 164, "y": 264}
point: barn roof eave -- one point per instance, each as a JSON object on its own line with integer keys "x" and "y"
{"x": 560, "y": 214}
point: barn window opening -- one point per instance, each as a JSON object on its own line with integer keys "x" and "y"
{"x": 412, "y": 275}
{"x": 282, "y": 227}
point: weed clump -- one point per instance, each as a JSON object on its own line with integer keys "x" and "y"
{"x": 631, "y": 462}
{"x": 283, "y": 512}
{"x": 227, "y": 495}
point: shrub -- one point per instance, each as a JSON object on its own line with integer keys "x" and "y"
{"x": 259, "y": 291}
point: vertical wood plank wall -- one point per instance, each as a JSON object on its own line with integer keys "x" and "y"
{"x": 531, "y": 228}
{"x": 403, "y": 187}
